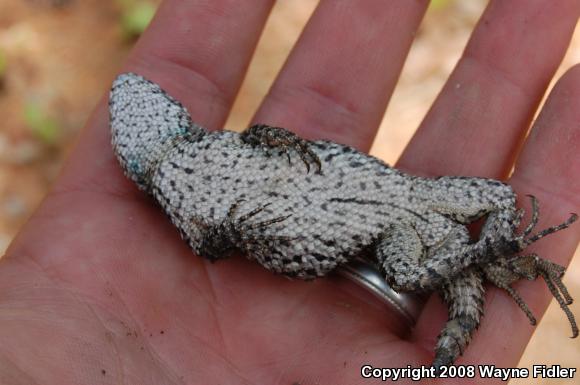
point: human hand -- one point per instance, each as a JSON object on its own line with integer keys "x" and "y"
{"x": 98, "y": 287}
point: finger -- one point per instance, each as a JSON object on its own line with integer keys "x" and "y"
{"x": 479, "y": 120}
{"x": 338, "y": 79}
{"x": 548, "y": 168}
{"x": 198, "y": 51}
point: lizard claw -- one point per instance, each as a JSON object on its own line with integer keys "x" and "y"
{"x": 523, "y": 241}
{"x": 277, "y": 137}
{"x": 219, "y": 240}
{"x": 503, "y": 272}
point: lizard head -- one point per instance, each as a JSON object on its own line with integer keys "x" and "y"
{"x": 144, "y": 121}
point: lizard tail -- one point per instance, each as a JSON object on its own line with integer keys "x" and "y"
{"x": 144, "y": 120}
{"x": 464, "y": 297}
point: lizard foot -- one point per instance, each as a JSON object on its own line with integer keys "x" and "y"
{"x": 220, "y": 240}
{"x": 505, "y": 271}
{"x": 277, "y": 137}
{"x": 524, "y": 240}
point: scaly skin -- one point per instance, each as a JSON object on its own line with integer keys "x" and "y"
{"x": 303, "y": 208}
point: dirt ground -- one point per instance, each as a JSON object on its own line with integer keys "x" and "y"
{"x": 57, "y": 59}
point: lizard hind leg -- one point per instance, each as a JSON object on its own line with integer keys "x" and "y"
{"x": 404, "y": 258}
{"x": 464, "y": 296}
{"x": 399, "y": 252}
{"x": 499, "y": 222}
{"x": 505, "y": 271}
{"x": 409, "y": 265}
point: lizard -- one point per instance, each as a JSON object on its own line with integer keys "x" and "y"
{"x": 302, "y": 208}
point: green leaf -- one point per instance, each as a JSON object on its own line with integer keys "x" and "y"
{"x": 3, "y": 63}
{"x": 136, "y": 18}
{"x": 45, "y": 128}
{"x": 439, "y": 4}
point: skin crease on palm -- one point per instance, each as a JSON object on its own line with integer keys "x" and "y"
{"x": 98, "y": 287}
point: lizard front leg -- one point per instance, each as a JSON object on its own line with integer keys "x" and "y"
{"x": 219, "y": 240}
{"x": 282, "y": 139}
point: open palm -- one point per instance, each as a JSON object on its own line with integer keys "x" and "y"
{"x": 98, "y": 287}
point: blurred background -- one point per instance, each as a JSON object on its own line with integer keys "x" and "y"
{"x": 58, "y": 57}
